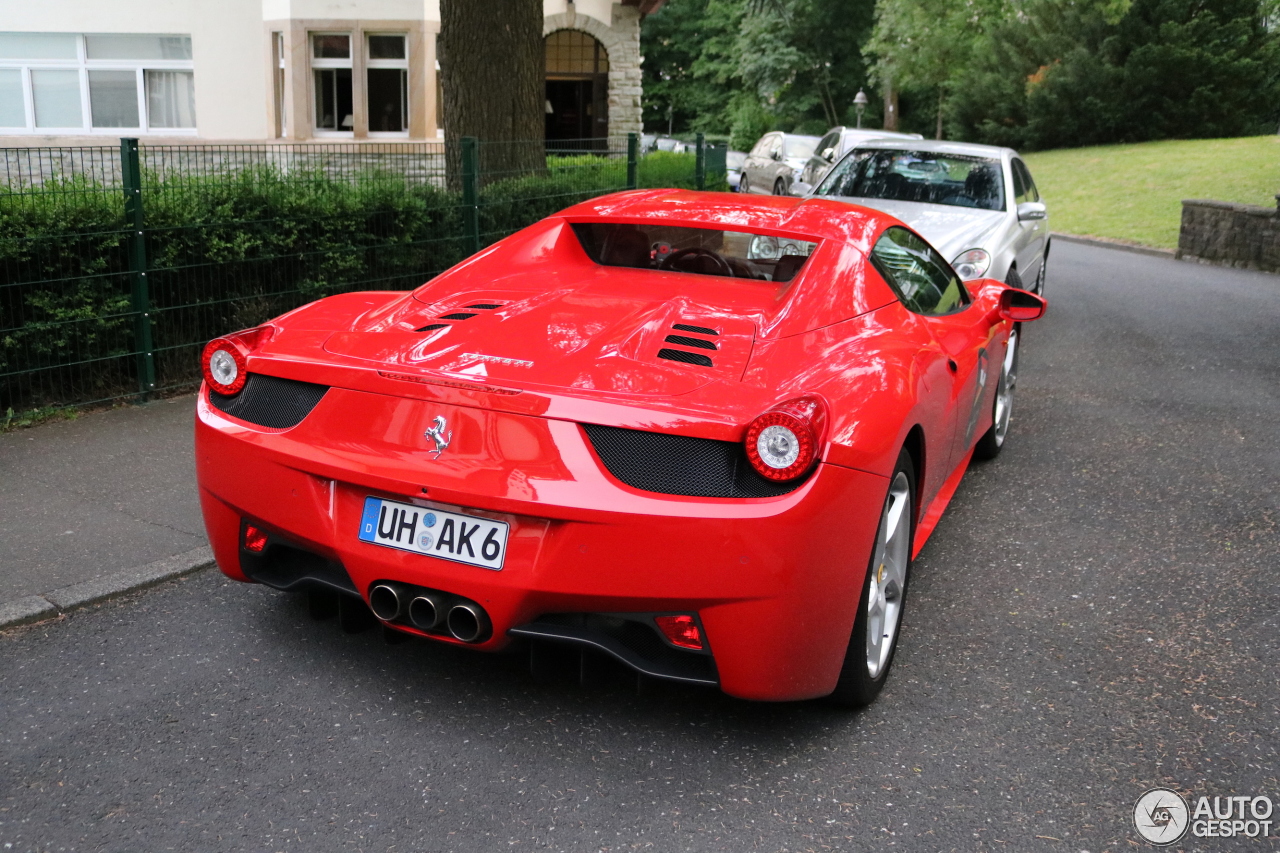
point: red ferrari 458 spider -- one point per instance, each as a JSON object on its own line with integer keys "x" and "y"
{"x": 700, "y": 433}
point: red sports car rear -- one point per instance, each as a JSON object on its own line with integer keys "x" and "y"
{"x": 700, "y": 435}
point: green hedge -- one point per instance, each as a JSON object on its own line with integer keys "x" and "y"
{"x": 228, "y": 251}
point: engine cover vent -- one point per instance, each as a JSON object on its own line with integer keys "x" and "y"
{"x": 696, "y": 343}
{"x": 700, "y": 330}
{"x": 685, "y": 357}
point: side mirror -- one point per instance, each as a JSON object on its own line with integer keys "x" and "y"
{"x": 828, "y": 154}
{"x": 775, "y": 155}
{"x": 1032, "y": 210}
{"x": 1020, "y": 306}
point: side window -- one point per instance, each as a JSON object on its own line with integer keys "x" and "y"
{"x": 924, "y": 282}
{"x": 762, "y": 147}
{"x": 775, "y": 147}
{"x": 1019, "y": 183}
{"x": 1032, "y": 193}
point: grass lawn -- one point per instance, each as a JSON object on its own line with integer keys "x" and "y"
{"x": 1134, "y": 192}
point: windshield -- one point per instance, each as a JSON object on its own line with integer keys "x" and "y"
{"x": 924, "y": 176}
{"x": 799, "y": 147}
{"x": 704, "y": 251}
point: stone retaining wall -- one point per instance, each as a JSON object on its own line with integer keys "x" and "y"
{"x": 1236, "y": 235}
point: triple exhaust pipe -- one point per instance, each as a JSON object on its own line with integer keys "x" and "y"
{"x": 430, "y": 611}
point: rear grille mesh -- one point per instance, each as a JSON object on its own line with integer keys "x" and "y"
{"x": 680, "y": 465}
{"x": 686, "y": 357}
{"x": 270, "y": 401}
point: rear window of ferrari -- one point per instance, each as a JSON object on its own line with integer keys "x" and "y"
{"x": 703, "y": 251}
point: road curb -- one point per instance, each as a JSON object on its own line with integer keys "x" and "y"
{"x": 1103, "y": 243}
{"x": 37, "y": 608}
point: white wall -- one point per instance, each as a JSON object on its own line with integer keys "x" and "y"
{"x": 365, "y": 10}
{"x": 231, "y": 55}
{"x": 227, "y": 47}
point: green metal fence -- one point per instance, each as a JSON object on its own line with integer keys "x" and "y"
{"x": 118, "y": 264}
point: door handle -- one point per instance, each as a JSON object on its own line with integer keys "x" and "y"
{"x": 951, "y": 363}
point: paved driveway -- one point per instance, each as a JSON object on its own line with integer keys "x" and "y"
{"x": 1097, "y": 614}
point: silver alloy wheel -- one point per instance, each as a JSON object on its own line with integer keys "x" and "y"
{"x": 888, "y": 581}
{"x": 779, "y": 187}
{"x": 1004, "y": 390}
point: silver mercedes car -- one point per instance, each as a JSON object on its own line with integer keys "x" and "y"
{"x": 977, "y": 204}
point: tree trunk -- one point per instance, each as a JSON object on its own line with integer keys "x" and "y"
{"x": 938, "y": 135}
{"x": 493, "y": 71}
{"x": 890, "y": 104}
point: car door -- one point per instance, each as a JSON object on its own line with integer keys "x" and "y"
{"x": 754, "y": 170}
{"x": 775, "y": 164}
{"x": 1029, "y": 242}
{"x": 955, "y": 365}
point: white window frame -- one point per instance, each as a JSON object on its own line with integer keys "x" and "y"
{"x": 83, "y": 65}
{"x": 403, "y": 65}
{"x": 323, "y": 64}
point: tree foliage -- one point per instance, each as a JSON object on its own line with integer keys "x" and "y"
{"x": 1025, "y": 73}
{"x": 748, "y": 66}
{"x": 1069, "y": 73}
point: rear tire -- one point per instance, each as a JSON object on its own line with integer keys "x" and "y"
{"x": 876, "y": 628}
{"x": 779, "y": 187}
{"x": 744, "y": 186}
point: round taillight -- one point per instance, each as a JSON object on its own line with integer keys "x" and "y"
{"x": 224, "y": 366}
{"x": 783, "y": 443}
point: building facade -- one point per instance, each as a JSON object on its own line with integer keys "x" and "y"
{"x": 253, "y": 70}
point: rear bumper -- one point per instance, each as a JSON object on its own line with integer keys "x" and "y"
{"x": 773, "y": 581}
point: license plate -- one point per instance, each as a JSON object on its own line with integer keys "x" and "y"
{"x": 424, "y": 530}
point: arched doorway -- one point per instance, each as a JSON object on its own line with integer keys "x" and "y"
{"x": 577, "y": 90}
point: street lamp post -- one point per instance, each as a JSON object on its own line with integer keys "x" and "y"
{"x": 860, "y": 104}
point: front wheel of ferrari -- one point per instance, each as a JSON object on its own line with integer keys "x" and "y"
{"x": 992, "y": 441}
{"x": 884, "y": 594}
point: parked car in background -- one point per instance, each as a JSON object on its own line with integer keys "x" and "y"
{"x": 733, "y": 161}
{"x": 977, "y": 204}
{"x": 775, "y": 162}
{"x": 666, "y": 143}
{"x": 648, "y": 142}
{"x": 838, "y": 142}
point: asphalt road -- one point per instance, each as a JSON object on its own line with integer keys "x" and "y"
{"x": 1096, "y": 614}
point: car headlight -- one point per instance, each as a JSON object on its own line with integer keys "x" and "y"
{"x": 971, "y": 264}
